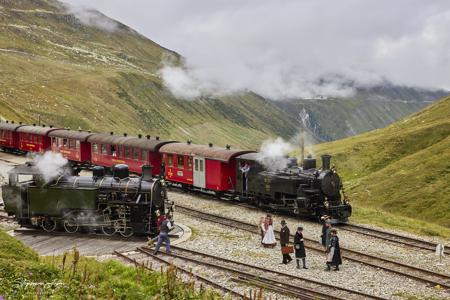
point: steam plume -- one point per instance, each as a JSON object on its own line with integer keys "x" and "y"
{"x": 273, "y": 152}
{"x": 51, "y": 165}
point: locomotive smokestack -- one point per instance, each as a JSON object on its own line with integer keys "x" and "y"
{"x": 326, "y": 161}
{"x": 147, "y": 173}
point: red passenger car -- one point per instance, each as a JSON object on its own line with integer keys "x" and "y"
{"x": 201, "y": 166}
{"x": 9, "y": 139}
{"x": 108, "y": 150}
{"x": 34, "y": 138}
{"x": 72, "y": 145}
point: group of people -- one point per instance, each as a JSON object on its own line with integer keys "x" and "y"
{"x": 329, "y": 240}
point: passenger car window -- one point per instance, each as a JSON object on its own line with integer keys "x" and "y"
{"x": 72, "y": 144}
{"x": 170, "y": 159}
{"x": 136, "y": 154}
{"x": 77, "y": 144}
{"x": 126, "y": 152}
{"x": 144, "y": 155}
{"x": 180, "y": 161}
{"x": 94, "y": 148}
{"x": 104, "y": 152}
{"x": 113, "y": 150}
{"x": 189, "y": 163}
{"x": 201, "y": 166}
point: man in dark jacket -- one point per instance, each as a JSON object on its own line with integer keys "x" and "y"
{"x": 299, "y": 246}
{"x": 334, "y": 252}
{"x": 163, "y": 236}
{"x": 284, "y": 241}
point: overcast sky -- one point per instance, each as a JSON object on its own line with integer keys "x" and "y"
{"x": 293, "y": 48}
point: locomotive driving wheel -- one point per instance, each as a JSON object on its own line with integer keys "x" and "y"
{"x": 108, "y": 230}
{"x": 48, "y": 224}
{"x": 70, "y": 225}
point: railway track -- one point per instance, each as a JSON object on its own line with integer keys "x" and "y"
{"x": 419, "y": 274}
{"x": 392, "y": 237}
{"x": 277, "y": 282}
{"x": 200, "y": 278}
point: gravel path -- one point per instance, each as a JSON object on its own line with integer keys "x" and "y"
{"x": 246, "y": 247}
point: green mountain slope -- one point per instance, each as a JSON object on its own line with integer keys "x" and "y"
{"x": 403, "y": 169}
{"x": 81, "y": 76}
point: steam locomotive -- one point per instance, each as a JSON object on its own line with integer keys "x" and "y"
{"x": 109, "y": 204}
{"x": 304, "y": 191}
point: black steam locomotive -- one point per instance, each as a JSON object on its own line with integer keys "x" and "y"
{"x": 109, "y": 204}
{"x": 306, "y": 191}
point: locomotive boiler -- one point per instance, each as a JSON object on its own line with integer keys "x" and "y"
{"x": 305, "y": 191}
{"x": 110, "y": 204}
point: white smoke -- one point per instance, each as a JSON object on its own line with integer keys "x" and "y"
{"x": 92, "y": 17}
{"x": 273, "y": 154}
{"x": 51, "y": 165}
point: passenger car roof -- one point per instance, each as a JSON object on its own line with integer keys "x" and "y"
{"x": 10, "y": 126}
{"x": 71, "y": 134}
{"x": 152, "y": 144}
{"x": 216, "y": 153}
{"x": 41, "y": 130}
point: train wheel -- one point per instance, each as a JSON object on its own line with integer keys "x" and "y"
{"x": 126, "y": 232}
{"x": 49, "y": 225}
{"x": 108, "y": 230}
{"x": 70, "y": 225}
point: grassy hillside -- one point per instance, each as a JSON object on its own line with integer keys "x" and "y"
{"x": 24, "y": 275}
{"x": 403, "y": 169}
{"x": 81, "y": 76}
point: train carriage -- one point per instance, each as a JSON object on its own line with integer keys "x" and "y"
{"x": 34, "y": 138}
{"x": 9, "y": 138}
{"x": 109, "y": 149}
{"x": 201, "y": 166}
{"x": 72, "y": 145}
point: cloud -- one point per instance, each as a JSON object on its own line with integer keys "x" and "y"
{"x": 91, "y": 17}
{"x": 294, "y": 48}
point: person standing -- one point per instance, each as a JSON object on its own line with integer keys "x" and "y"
{"x": 262, "y": 227}
{"x": 245, "y": 170}
{"x": 269, "y": 240}
{"x": 299, "y": 246}
{"x": 163, "y": 236}
{"x": 284, "y": 241}
{"x": 334, "y": 252}
{"x": 326, "y": 235}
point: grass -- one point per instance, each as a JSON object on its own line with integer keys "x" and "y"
{"x": 399, "y": 176}
{"x": 25, "y": 275}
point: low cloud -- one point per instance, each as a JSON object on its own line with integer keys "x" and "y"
{"x": 91, "y": 17}
{"x": 294, "y": 48}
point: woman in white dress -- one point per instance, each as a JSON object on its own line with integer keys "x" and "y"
{"x": 269, "y": 236}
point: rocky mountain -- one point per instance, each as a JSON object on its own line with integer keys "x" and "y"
{"x": 91, "y": 72}
{"x": 370, "y": 108}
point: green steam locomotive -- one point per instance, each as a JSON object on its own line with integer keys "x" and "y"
{"x": 111, "y": 204}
